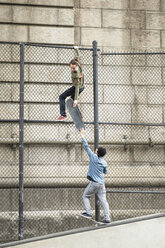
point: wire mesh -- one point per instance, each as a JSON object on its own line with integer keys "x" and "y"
{"x": 131, "y": 128}
{"x": 9, "y": 181}
{"x": 132, "y": 88}
{"x": 125, "y": 205}
{"x": 55, "y": 163}
{"x": 131, "y": 114}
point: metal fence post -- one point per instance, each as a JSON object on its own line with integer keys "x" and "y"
{"x": 96, "y": 125}
{"x": 21, "y": 141}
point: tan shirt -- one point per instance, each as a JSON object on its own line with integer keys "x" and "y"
{"x": 77, "y": 76}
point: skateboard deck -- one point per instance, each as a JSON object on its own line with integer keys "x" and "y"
{"x": 97, "y": 223}
{"x": 75, "y": 114}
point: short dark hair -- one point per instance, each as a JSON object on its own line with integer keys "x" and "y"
{"x": 101, "y": 152}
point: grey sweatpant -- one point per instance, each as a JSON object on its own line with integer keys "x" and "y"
{"x": 99, "y": 189}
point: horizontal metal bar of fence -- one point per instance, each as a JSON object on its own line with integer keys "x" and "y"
{"x": 134, "y": 192}
{"x": 46, "y": 45}
{"x": 10, "y": 42}
{"x": 16, "y": 141}
{"x": 132, "y": 124}
{"x": 10, "y": 63}
{"x": 53, "y": 122}
{"x": 82, "y": 186}
{"x": 59, "y": 46}
{"x": 8, "y": 121}
{"x": 133, "y": 53}
{"x": 42, "y": 121}
{"x": 33, "y": 63}
{"x": 100, "y": 123}
{"x": 136, "y": 142}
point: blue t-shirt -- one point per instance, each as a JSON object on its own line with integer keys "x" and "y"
{"x": 97, "y": 165}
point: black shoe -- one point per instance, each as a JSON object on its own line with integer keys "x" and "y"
{"x": 105, "y": 221}
{"x": 86, "y": 215}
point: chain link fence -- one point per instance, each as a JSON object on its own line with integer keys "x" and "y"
{"x": 131, "y": 114}
{"x": 131, "y": 98}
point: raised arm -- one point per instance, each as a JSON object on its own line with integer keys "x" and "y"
{"x": 77, "y": 54}
{"x": 85, "y": 143}
{"x": 77, "y": 57}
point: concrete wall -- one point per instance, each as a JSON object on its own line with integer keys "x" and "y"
{"x": 44, "y": 168}
{"x": 37, "y": 21}
{"x": 121, "y": 24}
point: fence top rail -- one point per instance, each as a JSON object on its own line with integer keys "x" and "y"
{"x": 45, "y": 45}
{"x": 133, "y": 53}
{"x": 56, "y": 46}
{"x": 81, "y": 48}
{"x": 10, "y": 43}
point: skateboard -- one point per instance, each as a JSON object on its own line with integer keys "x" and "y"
{"x": 96, "y": 223}
{"x": 75, "y": 114}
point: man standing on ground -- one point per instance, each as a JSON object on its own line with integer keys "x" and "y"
{"x": 97, "y": 168}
